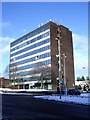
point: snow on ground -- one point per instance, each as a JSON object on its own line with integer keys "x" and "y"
{"x": 79, "y": 99}
{"x": 84, "y": 98}
{"x": 18, "y": 90}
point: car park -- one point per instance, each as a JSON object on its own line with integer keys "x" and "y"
{"x": 73, "y": 92}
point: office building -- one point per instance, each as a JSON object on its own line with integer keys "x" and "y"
{"x": 33, "y": 61}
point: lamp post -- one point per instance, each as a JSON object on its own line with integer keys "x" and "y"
{"x": 59, "y": 61}
{"x": 64, "y": 63}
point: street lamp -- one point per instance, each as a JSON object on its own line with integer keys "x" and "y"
{"x": 64, "y": 64}
{"x": 59, "y": 60}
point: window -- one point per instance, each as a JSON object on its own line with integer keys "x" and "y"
{"x": 31, "y": 47}
{"x": 31, "y": 41}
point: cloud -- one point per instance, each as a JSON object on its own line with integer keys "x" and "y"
{"x": 4, "y": 52}
{"x": 5, "y": 44}
{"x": 80, "y": 45}
{"x": 4, "y": 25}
{"x": 80, "y": 42}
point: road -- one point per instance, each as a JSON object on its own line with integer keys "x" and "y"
{"x": 25, "y": 107}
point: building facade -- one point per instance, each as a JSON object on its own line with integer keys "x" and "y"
{"x": 33, "y": 61}
{"x": 4, "y": 83}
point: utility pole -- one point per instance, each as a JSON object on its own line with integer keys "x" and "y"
{"x": 64, "y": 64}
{"x": 59, "y": 60}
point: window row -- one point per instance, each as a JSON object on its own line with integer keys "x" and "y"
{"x": 46, "y": 62}
{"x": 30, "y": 47}
{"x": 33, "y": 78}
{"x": 25, "y": 73}
{"x": 31, "y": 59}
{"x": 31, "y": 34}
{"x": 31, "y": 53}
{"x": 31, "y": 41}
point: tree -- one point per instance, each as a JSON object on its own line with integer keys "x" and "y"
{"x": 78, "y": 79}
{"x": 83, "y": 79}
{"x": 11, "y": 73}
{"x": 43, "y": 72}
{"x": 6, "y": 72}
{"x": 87, "y": 78}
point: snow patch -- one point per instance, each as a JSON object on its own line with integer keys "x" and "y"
{"x": 82, "y": 99}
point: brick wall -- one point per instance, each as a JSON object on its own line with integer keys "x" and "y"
{"x": 4, "y": 82}
{"x": 67, "y": 49}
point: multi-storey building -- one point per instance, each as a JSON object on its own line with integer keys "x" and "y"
{"x": 33, "y": 61}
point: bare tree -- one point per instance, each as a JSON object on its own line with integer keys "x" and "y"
{"x": 11, "y": 73}
{"x": 6, "y": 72}
{"x": 43, "y": 72}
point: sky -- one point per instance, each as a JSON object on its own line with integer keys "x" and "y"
{"x": 45, "y": 0}
{"x": 19, "y": 18}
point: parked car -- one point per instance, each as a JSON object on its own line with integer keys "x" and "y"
{"x": 88, "y": 90}
{"x": 73, "y": 92}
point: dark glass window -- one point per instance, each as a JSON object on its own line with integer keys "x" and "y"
{"x": 33, "y": 65}
{"x": 30, "y": 47}
{"x": 31, "y": 53}
{"x": 31, "y": 59}
{"x": 31, "y": 41}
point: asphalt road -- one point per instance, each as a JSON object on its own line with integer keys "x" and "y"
{"x": 25, "y": 107}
